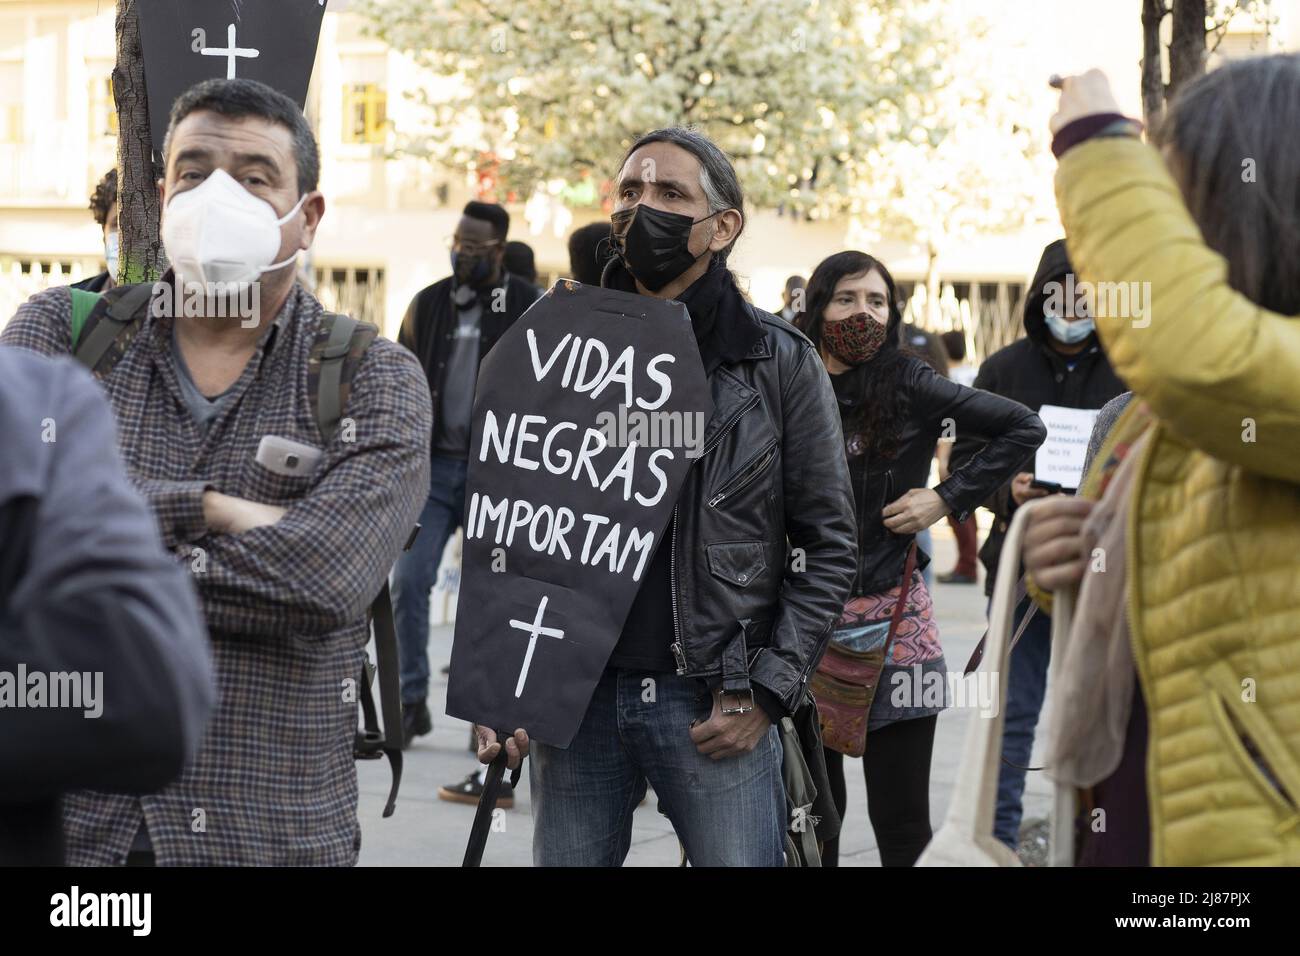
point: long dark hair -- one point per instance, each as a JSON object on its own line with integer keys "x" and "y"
{"x": 1220, "y": 126}
{"x": 718, "y": 176}
{"x": 875, "y": 424}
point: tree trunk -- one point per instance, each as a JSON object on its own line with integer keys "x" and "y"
{"x": 1187, "y": 46}
{"x": 1153, "y": 83}
{"x": 140, "y": 254}
{"x": 932, "y": 288}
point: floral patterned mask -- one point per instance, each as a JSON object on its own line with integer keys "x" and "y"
{"x": 853, "y": 340}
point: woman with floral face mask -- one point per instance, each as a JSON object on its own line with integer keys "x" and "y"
{"x": 894, "y": 410}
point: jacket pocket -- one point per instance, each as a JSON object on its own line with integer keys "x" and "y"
{"x": 1253, "y": 742}
{"x": 737, "y": 562}
{"x": 269, "y": 487}
{"x": 743, "y": 476}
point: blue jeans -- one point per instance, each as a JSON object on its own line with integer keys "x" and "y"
{"x": 417, "y": 572}
{"x": 1026, "y": 685}
{"x": 728, "y": 812}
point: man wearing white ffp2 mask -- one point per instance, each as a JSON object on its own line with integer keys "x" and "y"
{"x": 284, "y": 558}
{"x": 234, "y": 211}
{"x": 220, "y": 232}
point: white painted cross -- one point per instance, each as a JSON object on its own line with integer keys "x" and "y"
{"x": 534, "y": 629}
{"x": 230, "y": 52}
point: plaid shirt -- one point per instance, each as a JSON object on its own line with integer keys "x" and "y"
{"x": 274, "y": 780}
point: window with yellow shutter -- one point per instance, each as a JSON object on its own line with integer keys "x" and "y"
{"x": 103, "y": 111}
{"x": 364, "y": 113}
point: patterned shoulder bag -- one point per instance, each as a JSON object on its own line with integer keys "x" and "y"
{"x": 846, "y": 680}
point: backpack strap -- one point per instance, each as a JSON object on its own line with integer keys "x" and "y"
{"x": 369, "y": 742}
{"x": 83, "y": 303}
{"x": 340, "y": 343}
{"x": 390, "y": 689}
{"x": 110, "y": 319}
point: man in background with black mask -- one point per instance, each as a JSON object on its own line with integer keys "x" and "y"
{"x": 450, "y": 326}
{"x": 730, "y": 619}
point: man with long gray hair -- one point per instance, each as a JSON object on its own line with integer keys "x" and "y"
{"x": 734, "y": 613}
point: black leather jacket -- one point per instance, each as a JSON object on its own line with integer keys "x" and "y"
{"x": 1008, "y": 433}
{"x": 763, "y": 543}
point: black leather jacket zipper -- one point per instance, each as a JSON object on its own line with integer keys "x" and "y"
{"x": 746, "y": 476}
{"x": 678, "y": 647}
{"x": 679, "y": 653}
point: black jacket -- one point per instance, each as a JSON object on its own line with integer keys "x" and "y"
{"x": 762, "y": 535}
{"x": 429, "y": 326}
{"x": 95, "y": 283}
{"x": 1030, "y": 371}
{"x": 1005, "y": 433}
{"x": 85, "y": 587}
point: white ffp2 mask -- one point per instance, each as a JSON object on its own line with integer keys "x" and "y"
{"x": 220, "y": 232}
{"x": 110, "y": 253}
{"x": 1069, "y": 332}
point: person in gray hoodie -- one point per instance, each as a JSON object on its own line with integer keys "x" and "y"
{"x": 105, "y": 678}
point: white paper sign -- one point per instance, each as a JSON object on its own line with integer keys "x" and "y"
{"x": 1060, "y": 457}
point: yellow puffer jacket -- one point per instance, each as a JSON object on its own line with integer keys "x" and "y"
{"x": 1214, "y": 532}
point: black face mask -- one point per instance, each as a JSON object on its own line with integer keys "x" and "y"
{"x": 653, "y": 243}
{"x": 471, "y": 270}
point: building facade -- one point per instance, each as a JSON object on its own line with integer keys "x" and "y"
{"x": 388, "y": 216}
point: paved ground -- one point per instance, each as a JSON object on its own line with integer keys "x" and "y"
{"x": 426, "y": 831}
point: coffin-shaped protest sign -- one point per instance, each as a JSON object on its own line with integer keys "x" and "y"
{"x": 185, "y": 41}
{"x": 587, "y": 414}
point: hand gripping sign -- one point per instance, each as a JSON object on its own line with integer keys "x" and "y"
{"x": 582, "y": 427}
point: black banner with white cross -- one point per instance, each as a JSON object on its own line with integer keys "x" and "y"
{"x": 187, "y": 41}
{"x": 587, "y": 415}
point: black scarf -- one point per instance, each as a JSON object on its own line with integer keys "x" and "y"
{"x": 703, "y": 299}
{"x": 723, "y": 327}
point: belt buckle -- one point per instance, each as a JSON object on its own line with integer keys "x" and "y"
{"x": 740, "y": 708}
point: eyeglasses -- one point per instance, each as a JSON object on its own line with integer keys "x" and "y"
{"x": 457, "y": 244}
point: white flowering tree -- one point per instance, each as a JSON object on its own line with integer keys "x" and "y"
{"x": 799, "y": 92}
{"x": 975, "y": 161}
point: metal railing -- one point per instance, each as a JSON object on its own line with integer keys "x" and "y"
{"x": 358, "y": 292}
{"x": 990, "y": 314}
{"x": 20, "y": 279}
